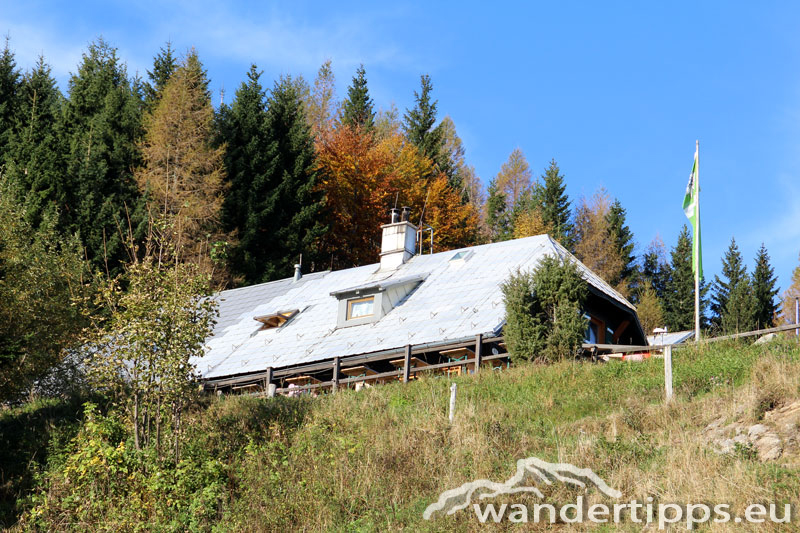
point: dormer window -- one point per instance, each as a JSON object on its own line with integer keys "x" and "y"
{"x": 275, "y": 320}
{"x": 360, "y": 307}
{"x": 370, "y": 302}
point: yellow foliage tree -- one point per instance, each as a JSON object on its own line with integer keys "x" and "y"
{"x": 362, "y": 177}
{"x": 651, "y": 315}
{"x": 182, "y": 173}
{"x": 594, "y": 246}
{"x": 529, "y": 223}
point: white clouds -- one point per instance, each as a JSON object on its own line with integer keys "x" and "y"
{"x": 29, "y": 41}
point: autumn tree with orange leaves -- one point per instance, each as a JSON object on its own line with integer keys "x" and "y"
{"x": 362, "y": 177}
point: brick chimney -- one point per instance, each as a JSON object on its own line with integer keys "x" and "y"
{"x": 398, "y": 244}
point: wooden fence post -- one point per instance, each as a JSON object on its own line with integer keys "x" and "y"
{"x": 335, "y": 374}
{"x": 407, "y": 364}
{"x": 668, "y": 372}
{"x": 453, "y": 389}
{"x": 478, "y": 347}
{"x": 270, "y": 388}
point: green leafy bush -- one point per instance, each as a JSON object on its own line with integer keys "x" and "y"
{"x": 543, "y": 311}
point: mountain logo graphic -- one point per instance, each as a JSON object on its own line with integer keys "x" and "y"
{"x": 530, "y": 473}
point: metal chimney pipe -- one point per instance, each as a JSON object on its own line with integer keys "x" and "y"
{"x": 406, "y": 213}
{"x": 395, "y": 215}
{"x": 297, "y": 272}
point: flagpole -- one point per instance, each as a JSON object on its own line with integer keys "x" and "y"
{"x": 694, "y": 245}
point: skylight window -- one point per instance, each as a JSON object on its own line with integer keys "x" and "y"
{"x": 275, "y": 320}
{"x": 461, "y": 256}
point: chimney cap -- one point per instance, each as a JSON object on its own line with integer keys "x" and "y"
{"x": 395, "y": 215}
{"x": 406, "y": 213}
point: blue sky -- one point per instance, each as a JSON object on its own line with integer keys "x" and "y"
{"x": 616, "y": 92}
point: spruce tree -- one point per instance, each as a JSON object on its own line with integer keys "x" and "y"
{"x": 733, "y": 272}
{"x": 764, "y": 289}
{"x": 655, "y": 269}
{"x": 283, "y": 205}
{"x": 622, "y": 241}
{"x": 164, "y": 66}
{"x": 419, "y": 123}
{"x": 9, "y": 87}
{"x": 98, "y": 196}
{"x": 740, "y": 308}
{"x": 679, "y": 301}
{"x": 497, "y": 215}
{"x": 244, "y": 136}
{"x": 357, "y": 108}
{"x": 555, "y": 206}
{"x": 36, "y": 146}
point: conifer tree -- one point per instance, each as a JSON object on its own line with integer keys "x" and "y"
{"x": 9, "y": 86}
{"x": 102, "y": 123}
{"x": 244, "y": 135}
{"x": 460, "y": 176}
{"x": 514, "y": 178}
{"x": 733, "y": 272}
{"x": 497, "y": 214}
{"x": 357, "y": 108}
{"x": 419, "y": 123}
{"x": 650, "y": 310}
{"x": 740, "y": 308}
{"x": 555, "y": 208}
{"x": 322, "y": 107}
{"x": 679, "y": 300}
{"x": 36, "y": 145}
{"x": 164, "y": 66}
{"x": 655, "y": 269}
{"x": 622, "y": 241}
{"x": 594, "y": 245}
{"x": 764, "y": 289}
{"x": 282, "y": 212}
{"x": 182, "y": 174}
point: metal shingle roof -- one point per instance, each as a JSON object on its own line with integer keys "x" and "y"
{"x": 458, "y": 299}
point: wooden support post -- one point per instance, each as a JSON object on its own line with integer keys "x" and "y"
{"x": 407, "y": 364}
{"x": 335, "y": 379}
{"x": 668, "y": 372}
{"x": 452, "y": 414}
{"x": 478, "y": 347}
{"x": 268, "y": 386}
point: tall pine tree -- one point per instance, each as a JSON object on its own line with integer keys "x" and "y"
{"x": 679, "y": 301}
{"x": 419, "y": 123}
{"x": 764, "y": 289}
{"x": 283, "y": 205}
{"x": 164, "y": 66}
{"x": 655, "y": 269}
{"x": 102, "y": 123}
{"x": 555, "y": 209}
{"x": 36, "y": 145}
{"x": 733, "y": 272}
{"x": 357, "y": 108}
{"x": 497, "y": 214}
{"x": 9, "y": 86}
{"x": 243, "y": 132}
{"x": 622, "y": 241}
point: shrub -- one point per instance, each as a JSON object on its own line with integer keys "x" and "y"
{"x": 543, "y": 317}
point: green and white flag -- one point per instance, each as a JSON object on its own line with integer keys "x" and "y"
{"x": 691, "y": 206}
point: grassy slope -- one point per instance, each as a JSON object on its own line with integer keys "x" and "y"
{"x": 374, "y": 459}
